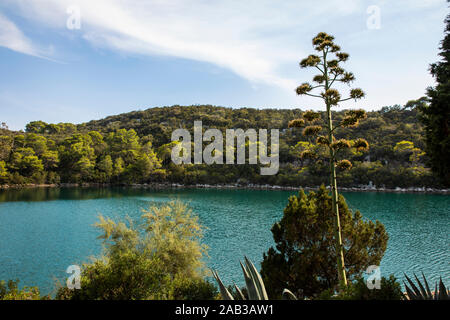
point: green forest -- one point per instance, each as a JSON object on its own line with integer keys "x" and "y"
{"x": 135, "y": 148}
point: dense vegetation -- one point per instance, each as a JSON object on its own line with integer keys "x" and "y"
{"x": 304, "y": 257}
{"x": 390, "y": 289}
{"x": 10, "y": 291}
{"x": 135, "y": 148}
{"x": 436, "y": 115}
{"x": 161, "y": 258}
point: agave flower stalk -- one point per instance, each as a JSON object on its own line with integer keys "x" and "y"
{"x": 330, "y": 72}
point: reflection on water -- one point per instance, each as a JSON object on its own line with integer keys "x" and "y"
{"x": 42, "y": 231}
{"x": 48, "y": 194}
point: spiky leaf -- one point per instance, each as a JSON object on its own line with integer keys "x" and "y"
{"x": 226, "y": 295}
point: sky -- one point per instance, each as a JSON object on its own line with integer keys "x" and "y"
{"x": 79, "y": 60}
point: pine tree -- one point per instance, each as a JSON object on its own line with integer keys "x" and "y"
{"x": 436, "y": 115}
{"x": 303, "y": 257}
{"x": 330, "y": 73}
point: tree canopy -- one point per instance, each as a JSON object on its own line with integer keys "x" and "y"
{"x": 304, "y": 257}
{"x": 105, "y": 151}
{"x": 435, "y": 116}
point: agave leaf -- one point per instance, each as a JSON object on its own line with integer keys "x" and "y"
{"x": 226, "y": 295}
{"x": 436, "y": 295}
{"x": 288, "y": 295}
{"x": 411, "y": 295}
{"x": 413, "y": 287}
{"x": 257, "y": 279}
{"x": 443, "y": 295}
{"x": 250, "y": 283}
{"x": 422, "y": 289}
{"x": 241, "y": 295}
{"x": 429, "y": 293}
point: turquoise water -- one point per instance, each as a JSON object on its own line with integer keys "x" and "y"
{"x": 43, "y": 231}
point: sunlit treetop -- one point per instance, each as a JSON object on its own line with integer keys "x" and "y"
{"x": 328, "y": 64}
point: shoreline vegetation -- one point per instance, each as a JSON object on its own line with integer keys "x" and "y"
{"x": 136, "y": 147}
{"x": 158, "y": 186}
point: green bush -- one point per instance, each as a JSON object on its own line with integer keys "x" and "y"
{"x": 193, "y": 289}
{"x": 390, "y": 289}
{"x": 304, "y": 258}
{"x": 158, "y": 259}
{"x": 11, "y": 291}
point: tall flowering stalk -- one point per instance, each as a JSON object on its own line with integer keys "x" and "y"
{"x": 327, "y": 62}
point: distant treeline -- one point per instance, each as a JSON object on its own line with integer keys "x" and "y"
{"x": 135, "y": 148}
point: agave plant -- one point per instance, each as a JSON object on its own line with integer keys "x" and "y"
{"x": 254, "y": 284}
{"x": 423, "y": 292}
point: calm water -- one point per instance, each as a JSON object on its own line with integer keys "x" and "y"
{"x": 43, "y": 231}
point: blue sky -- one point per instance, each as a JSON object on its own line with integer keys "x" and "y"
{"x": 131, "y": 55}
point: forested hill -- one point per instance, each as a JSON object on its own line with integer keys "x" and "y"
{"x": 382, "y": 129}
{"x": 392, "y": 123}
{"x": 132, "y": 148}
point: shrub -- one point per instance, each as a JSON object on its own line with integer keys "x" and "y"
{"x": 390, "y": 289}
{"x": 158, "y": 259}
{"x": 11, "y": 291}
{"x": 304, "y": 259}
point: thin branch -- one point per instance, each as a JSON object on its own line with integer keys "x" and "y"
{"x": 336, "y": 127}
{"x": 313, "y": 95}
{"x": 333, "y": 80}
{"x": 320, "y": 70}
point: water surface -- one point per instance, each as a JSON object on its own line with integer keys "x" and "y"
{"x": 43, "y": 231}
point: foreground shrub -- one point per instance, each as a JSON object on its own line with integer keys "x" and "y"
{"x": 193, "y": 289}
{"x": 304, "y": 259}
{"x": 158, "y": 259}
{"x": 11, "y": 291}
{"x": 390, "y": 289}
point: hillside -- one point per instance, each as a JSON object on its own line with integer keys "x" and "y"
{"x": 130, "y": 148}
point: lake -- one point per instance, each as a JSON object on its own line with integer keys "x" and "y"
{"x": 43, "y": 231}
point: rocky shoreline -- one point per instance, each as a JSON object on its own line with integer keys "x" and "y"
{"x": 368, "y": 188}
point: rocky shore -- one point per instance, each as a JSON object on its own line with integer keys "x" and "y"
{"x": 360, "y": 188}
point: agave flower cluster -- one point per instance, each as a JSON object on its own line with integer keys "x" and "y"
{"x": 311, "y": 122}
{"x": 328, "y": 64}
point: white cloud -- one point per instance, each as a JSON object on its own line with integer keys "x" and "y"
{"x": 259, "y": 40}
{"x": 13, "y": 38}
{"x": 253, "y": 38}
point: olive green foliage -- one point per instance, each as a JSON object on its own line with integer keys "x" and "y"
{"x": 390, "y": 289}
{"x": 11, "y": 291}
{"x": 160, "y": 258}
{"x": 117, "y": 157}
{"x": 381, "y": 164}
{"x": 435, "y": 115}
{"x": 304, "y": 257}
